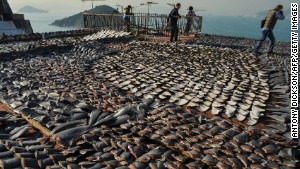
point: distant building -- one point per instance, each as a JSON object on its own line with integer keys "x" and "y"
{"x": 12, "y": 24}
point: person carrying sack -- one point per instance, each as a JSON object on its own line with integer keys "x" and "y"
{"x": 268, "y": 25}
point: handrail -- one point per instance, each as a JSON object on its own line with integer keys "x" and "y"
{"x": 139, "y": 23}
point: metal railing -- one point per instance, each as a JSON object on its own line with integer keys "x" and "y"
{"x": 140, "y": 23}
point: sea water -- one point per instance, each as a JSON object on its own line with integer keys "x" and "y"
{"x": 41, "y": 22}
{"x": 243, "y": 26}
{"x": 240, "y": 26}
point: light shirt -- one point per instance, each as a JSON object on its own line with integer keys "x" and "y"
{"x": 190, "y": 13}
{"x": 278, "y": 15}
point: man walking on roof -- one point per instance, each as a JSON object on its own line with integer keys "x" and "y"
{"x": 174, "y": 16}
{"x": 267, "y": 29}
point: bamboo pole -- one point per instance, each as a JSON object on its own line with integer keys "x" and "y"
{"x": 32, "y": 122}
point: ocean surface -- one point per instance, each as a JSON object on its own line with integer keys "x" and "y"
{"x": 221, "y": 25}
{"x": 244, "y": 27}
{"x": 41, "y": 22}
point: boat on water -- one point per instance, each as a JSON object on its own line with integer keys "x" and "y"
{"x": 12, "y": 23}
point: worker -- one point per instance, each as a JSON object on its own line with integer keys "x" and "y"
{"x": 128, "y": 12}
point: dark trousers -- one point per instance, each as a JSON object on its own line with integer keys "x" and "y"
{"x": 127, "y": 23}
{"x": 265, "y": 34}
{"x": 174, "y": 33}
{"x": 187, "y": 27}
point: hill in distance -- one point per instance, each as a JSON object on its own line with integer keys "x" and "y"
{"x": 31, "y": 9}
{"x": 77, "y": 19}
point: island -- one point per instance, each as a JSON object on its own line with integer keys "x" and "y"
{"x": 31, "y": 9}
{"x": 77, "y": 19}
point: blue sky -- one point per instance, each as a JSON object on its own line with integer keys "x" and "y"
{"x": 211, "y": 7}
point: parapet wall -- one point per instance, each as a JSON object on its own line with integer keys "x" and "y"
{"x": 9, "y": 28}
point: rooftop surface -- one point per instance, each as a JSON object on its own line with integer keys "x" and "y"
{"x": 109, "y": 100}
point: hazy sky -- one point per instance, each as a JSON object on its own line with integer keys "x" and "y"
{"x": 214, "y": 7}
